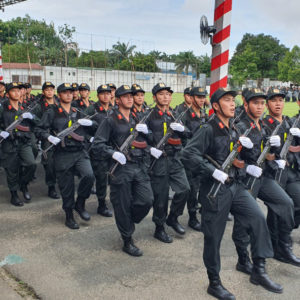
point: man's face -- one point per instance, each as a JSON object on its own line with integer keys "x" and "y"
{"x": 48, "y": 92}
{"x": 163, "y": 98}
{"x": 104, "y": 97}
{"x": 84, "y": 94}
{"x": 276, "y": 105}
{"x": 2, "y": 88}
{"x": 188, "y": 99}
{"x": 226, "y": 106}
{"x": 199, "y": 100}
{"x": 76, "y": 94}
{"x": 28, "y": 91}
{"x": 66, "y": 96}
{"x": 113, "y": 91}
{"x": 23, "y": 91}
{"x": 14, "y": 94}
{"x": 139, "y": 98}
{"x": 256, "y": 107}
{"x": 126, "y": 101}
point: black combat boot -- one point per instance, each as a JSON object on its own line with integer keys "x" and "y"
{"x": 70, "y": 222}
{"x": 244, "y": 263}
{"x": 284, "y": 253}
{"x": 259, "y": 276}
{"x": 103, "y": 209}
{"x": 193, "y": 222}
{"x": 161, "y": 234}
{"x": 173, "y": 222}
{"x": 26, "y": 194}
{"x": 14, "y": 200}
{"x": 217, "y": 290}
{"x": 80, "y": 208}
{"x": 52, "y": 192}
{"x": 130, "y": 248}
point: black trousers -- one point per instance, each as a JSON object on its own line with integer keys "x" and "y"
{"x": 49, "y": 168}
{"x": 236, "y": 199}
{"x": 67, "y": 165}
{"x": 168, "y": 172}
{"x": 192, "y": 198}
{"x": 131, "y": 196}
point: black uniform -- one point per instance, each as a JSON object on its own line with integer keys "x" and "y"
{"x": 79, "y": 104}
{"x": 130, "y": 189}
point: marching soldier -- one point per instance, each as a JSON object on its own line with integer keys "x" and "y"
{"x": 29, "y": 96}
{"x": 100, "y": 164}
{"x": 17, "y": 157}
{"x": 69, "y": 156}
{"x": 209, "y": 148}
{"x": 130, "y": 189}
{"x": 167, "y": 170}
{"x": 113, "y": 92}
{"x": 139, "y": 106}
{"x": 75, "y": 91}
{"x": 47, "y": 102}
{"x": 84, "y": 102}
{"x": 187, "y": 101}
{"x": 2, "y": 92}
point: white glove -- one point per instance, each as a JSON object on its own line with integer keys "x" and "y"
{"x": 4, "y": 134}
{"x": 85, "y": 122}
{"x": 177, "y": 127}
{"x": 92, "y": 139}
{"x": 295, "y": 131}
{"x": 155, "y": 152}
{"x": 142, "y": 128}
{"x": 27, "y": 115}
{"x": 220, "y": 175}
{"x": 254, "y": 171}
{"x": 281, "y": 163}
{"x": 53, "y": 139}
{"x": 119, "y": 157}
{"x": 246, "y": 142}
{"x": 275, "y": 141}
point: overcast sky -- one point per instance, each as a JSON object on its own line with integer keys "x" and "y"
{"x": 165, "y": 25}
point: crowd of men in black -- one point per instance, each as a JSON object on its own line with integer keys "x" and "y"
{"x": 222, "y": 162}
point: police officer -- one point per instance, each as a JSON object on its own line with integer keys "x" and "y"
{"x": 75, "y": 91}
{"x": 2, "y": 91}
{"x": 48, "y": 101}
{"x": 113, "y": 92}
{"x": 100, "y": 164}
{"x": 187, "y": 101}
{"x": 214, "y": 140}
{"x": 130, "y": 189}
{"x": 17, "y": 157}
{"x": 139, "y": 106}
{"x": 84, "y": 102}
{"x": 240, "y": 112}
{"x": 29, "y": 96}
{"x": 70, "y": 156}
{"x": 167, "y": 170}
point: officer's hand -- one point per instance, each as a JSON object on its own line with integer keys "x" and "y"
{"x": 155, "y": 152}
{"x": 177, "y": 127}
{"x": 254, "y": 171}
{"x": 275, "y": 141}
{"x": 295, "y": 132}
{"x": 85, "y": 122}
{"x": 27, "y": 115}
{"x": 142, "y": 128}
{"x": 4, "y": 134}
{"x": 281, "y": 163}
{"x": 119, "y": 157}
{"x": 92, "y": 139}
{"x": 246, "y": 142}
{"x": 220, "y": 175}
{"x": 53, "y": 139}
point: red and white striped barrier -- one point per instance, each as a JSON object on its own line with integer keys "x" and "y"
{"x": 1, "y": 69}
{"x": 220, "y": 45}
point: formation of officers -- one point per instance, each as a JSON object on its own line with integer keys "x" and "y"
{"x": 222, "y": 162}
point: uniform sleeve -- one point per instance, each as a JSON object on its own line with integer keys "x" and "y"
{"x": 42, "y": 128}
{"x": 193, "y": 154}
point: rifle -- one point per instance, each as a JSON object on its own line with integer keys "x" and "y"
{"x": 227, "y": 164}
{"x": 124, "y": 148}
{"x": 285, "y": 149}
{"x": 69, "y": 131}
{"x": 16, "y": 124}
{"x": 261, "y": 159}
{"x": 161, "y": 144}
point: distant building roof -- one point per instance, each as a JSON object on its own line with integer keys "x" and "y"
{"x": 24, "y": 66}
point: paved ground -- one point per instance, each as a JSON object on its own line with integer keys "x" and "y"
{"x": 88, "y": 264}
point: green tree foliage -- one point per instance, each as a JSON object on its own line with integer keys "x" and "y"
{"x": 289, "y": 67}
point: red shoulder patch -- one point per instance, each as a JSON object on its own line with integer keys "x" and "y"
{"x": 221, "y": 125}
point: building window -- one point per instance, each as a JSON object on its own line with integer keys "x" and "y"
{"x": 69, "y": 74}
{"x": 74, "y": 73}
{"x": 51, "y": 73}
{"x": 15, "y": 78}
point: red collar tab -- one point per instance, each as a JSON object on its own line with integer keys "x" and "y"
{"x": 252, "y": 125}
{"x": 9, "y": 107}
{"x": 60, "y": 110}
{"x": 46, "y": 104}
{"x": 120, "y": 117}
{"x": 160, "y": 113}
{"x": 211, "y": 111}
{"x": 101, "y": 108}
{"x": 81, "y": 103}
{"x": 221, "y": 125}
{"x": 193, "y": 115}
{"x": 271, "y": 121}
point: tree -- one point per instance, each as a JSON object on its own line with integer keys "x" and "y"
{"x": 268, "y": 52}
{"x": 122, "y": 50}
{"x": 66, "y": 34}
{"x": 245, "y": 66}
{"x": 202, "y": 65}
{"x": 289, "y": 67}
{"x": 184, "y": 61}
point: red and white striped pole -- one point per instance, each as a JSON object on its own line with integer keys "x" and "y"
{"x": 220, "y": 45}
{"x": 1, "y": 69}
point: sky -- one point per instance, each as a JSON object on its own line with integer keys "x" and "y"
{"x": 168, "y": 26}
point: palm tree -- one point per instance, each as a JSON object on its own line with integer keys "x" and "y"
{"x": 184, "y": 60}
{"x": 122, "y": 50}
